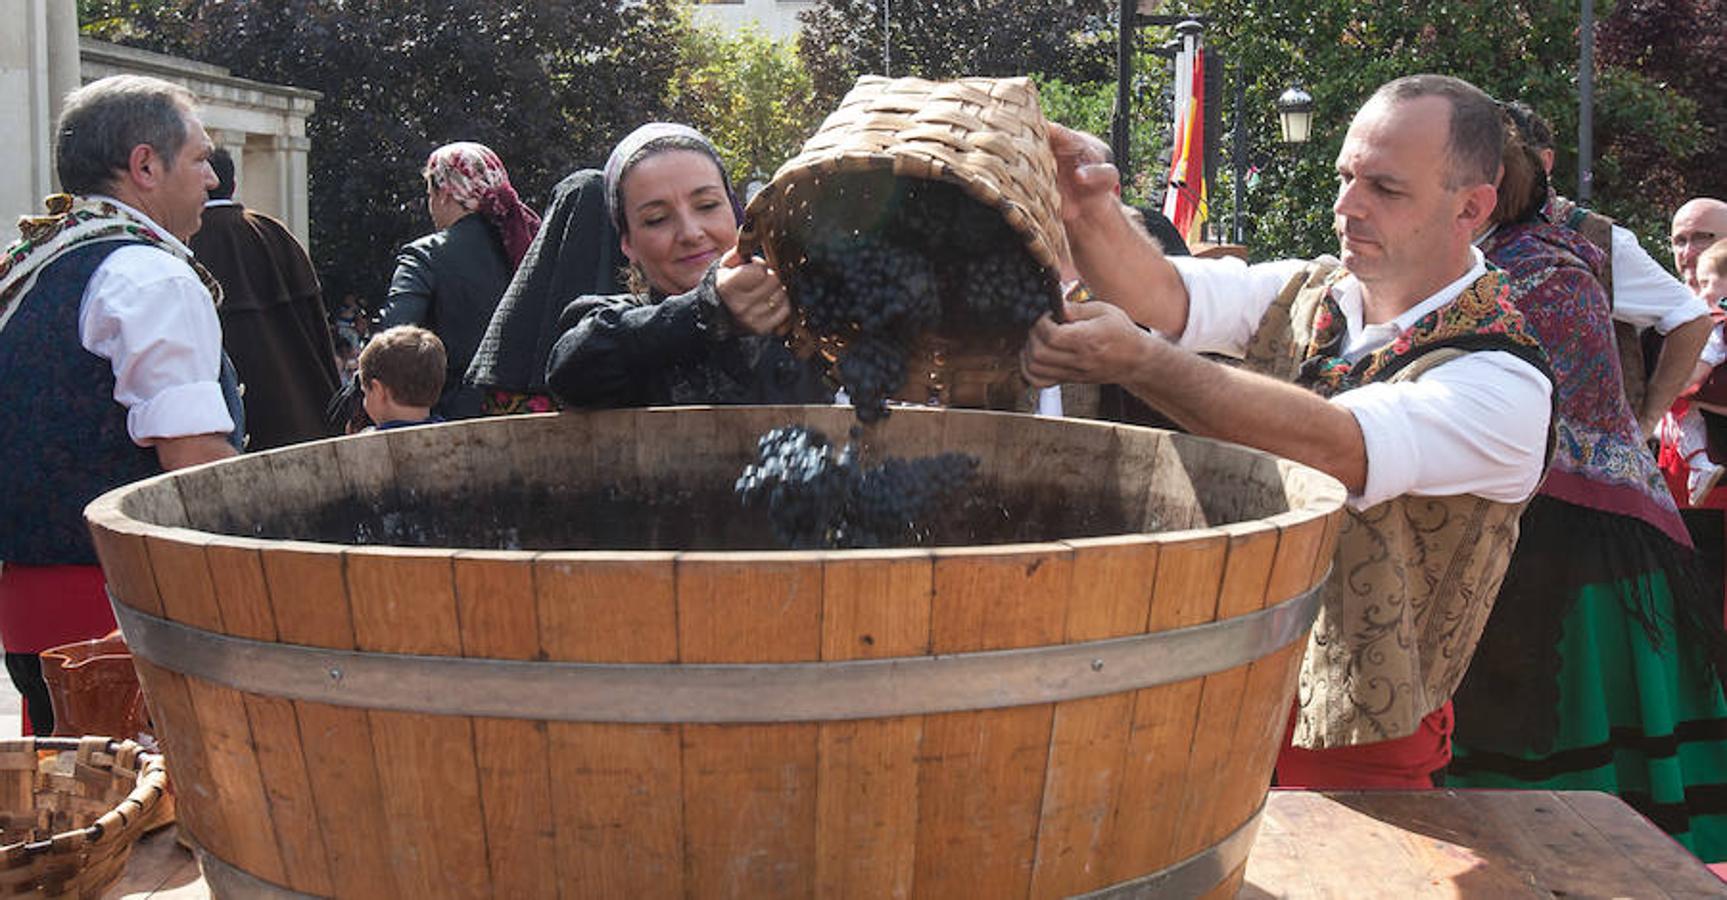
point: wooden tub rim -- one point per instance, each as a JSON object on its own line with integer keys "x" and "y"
{"x": 106, "y": 512}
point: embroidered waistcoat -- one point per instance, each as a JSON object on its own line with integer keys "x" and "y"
{"x": 1414, "y": 577}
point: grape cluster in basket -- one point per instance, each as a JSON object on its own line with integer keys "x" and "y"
{"x": 887, "y": 259}
{"x": 816, "y": 498}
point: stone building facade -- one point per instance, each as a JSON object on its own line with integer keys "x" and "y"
{"x": 44, "y": 59}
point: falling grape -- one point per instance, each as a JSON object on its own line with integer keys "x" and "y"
{"x": 816, "y": 498}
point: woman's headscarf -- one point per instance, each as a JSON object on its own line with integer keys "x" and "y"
{"x": 475, "y": 178}
{"x": 648, "y": 140}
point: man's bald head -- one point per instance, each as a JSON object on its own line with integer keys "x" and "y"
{"x": 1700, "y": 222}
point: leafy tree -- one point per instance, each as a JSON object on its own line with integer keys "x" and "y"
{"x": 1686, "y": 76}
{"x": 549, "y": 85}
{"x": 1090, "y": 106}
{"x": 1071, "y": 40}
{"x": 749, "y": 94}
{"x": 1520, "y": 49}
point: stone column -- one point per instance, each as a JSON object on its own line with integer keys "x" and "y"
{"x": 275, "y": 169}
{"x": 63, "y": 77}
{"x": 296, "y": 208}
{"x": 235, "y": 143}
{"x": 38, "y": 67}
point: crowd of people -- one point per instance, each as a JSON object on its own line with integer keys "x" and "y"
{"x": 1518, "y": 598}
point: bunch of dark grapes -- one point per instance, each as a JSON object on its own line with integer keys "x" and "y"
{"x": 865, "y": 283}
{"x": 1006, "y": 287}
{"x": 797, "y": 479}
{"x": 888, "y": 259}
{"x": 872, "y": 367}
{"x": 818, "y": 500}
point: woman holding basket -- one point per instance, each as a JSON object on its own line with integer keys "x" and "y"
{"x": 700, "y": 322}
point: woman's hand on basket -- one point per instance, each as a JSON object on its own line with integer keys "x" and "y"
{"x": 753, "y": 294}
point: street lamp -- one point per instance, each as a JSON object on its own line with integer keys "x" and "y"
{"x": 1295, "y": 115}
{"x": 1294, "y": 120}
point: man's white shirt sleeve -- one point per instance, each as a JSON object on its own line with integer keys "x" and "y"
{"x": 1226, "y": 298}
{"x": 151, "y": 318}
{"x": 1473, "y": 425}
{"x": 1646, "y": 295}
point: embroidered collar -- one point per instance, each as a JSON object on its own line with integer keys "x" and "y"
{"x": 71, "y": 222}
{"x": 1482, "y": 310}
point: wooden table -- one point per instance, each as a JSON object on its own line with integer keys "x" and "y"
{"x": 1488, "y": 844}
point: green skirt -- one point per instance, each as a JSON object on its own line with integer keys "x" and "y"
{"x": 1639, "y": 716}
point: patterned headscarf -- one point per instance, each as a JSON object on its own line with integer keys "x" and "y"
{"x": 640, "y": 144}
{"x": 476, "y": 180}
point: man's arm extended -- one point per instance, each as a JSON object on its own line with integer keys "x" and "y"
{"x": 1100, "y": 345}
{"x": 1673, "y": 370}
{"x": 1117, "y": 259}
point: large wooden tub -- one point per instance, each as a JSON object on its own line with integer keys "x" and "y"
{"x": 684, "y": 712}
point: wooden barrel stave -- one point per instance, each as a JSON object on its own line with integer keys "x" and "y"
{"x": 1089, "y": 737}
{"x": 404, "y": 602}
{"x": 618, "y": 824}
{"x": 875, "y": 605}
{"x": 1204, "y": 816}
{"x": 230, "y": 768}
{"x": 981, "y": 774}
{"x": 497, "y": 609}
{"x": 242, "y": 593}
{"x": 749, "y": 811}
{"x": 309, "y": 596}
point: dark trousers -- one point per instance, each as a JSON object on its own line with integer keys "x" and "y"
{"x": 26, "y": 672}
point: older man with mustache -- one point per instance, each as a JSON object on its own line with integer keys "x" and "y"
{"x": 1403, "y": 370}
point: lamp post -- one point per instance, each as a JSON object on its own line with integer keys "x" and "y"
{"x": 1294, "y": 124}
{"x": 1295, "y": 115}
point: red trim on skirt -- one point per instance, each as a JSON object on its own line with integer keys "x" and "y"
{"x": 46, "y": 606}
{"x": 1406, "y": 763}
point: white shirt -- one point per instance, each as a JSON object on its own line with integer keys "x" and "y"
{"x": 1644, "y": 294}
{"x": 146, "y": 312}
{"x": 1715, "y": 349}
{"x": 1473, "y": 425}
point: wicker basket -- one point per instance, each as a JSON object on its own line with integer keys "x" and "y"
{"x": 986, "y": 135}
{"x": 69, "y": 819}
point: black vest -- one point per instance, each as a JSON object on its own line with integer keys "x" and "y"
{"x": 63, "y": 438}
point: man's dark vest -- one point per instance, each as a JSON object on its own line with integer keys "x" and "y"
{"x": 63, "y": 438}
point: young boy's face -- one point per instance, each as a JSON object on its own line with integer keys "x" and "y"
{"x": 1710, "y": 285}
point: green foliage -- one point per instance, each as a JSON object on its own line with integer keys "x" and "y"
{"x": 549, "y": 85}
{"x": 1090, "y": 106}
{"x": 1069, "y": 40}
{"x": 749, "y": 94}
{"x": 1520, "y": 49}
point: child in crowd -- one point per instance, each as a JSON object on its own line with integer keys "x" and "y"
{"x": 1690, "y": 435}
{"x": 351, "y": 328}
{"x": 402, "y": 374}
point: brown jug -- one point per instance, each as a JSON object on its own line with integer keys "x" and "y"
{"x": 94, "y": 689}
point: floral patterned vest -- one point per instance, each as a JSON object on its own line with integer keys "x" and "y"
{"x": 1414, "y": 577}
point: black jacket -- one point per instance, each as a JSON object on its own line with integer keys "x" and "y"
{"x": 625, "y": 350}
{"x": 574, "y": 254}
{"x": 449, "y": 283}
